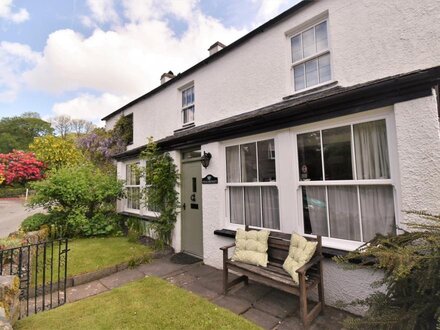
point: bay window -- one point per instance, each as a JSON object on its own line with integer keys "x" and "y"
{"x": 251, "y": 184}
{"x": 346, "y": 187}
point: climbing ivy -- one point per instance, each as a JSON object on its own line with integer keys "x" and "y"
{"x": 160, "y": 194}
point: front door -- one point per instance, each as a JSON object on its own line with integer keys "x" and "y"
{"x": 192, "y": 229}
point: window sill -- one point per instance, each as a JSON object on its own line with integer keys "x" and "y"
{"x": 313, "y": 89}
{"x": 185, "y": 127}
{"x": 139, "y": 216}
{"x": 327, "y": 252}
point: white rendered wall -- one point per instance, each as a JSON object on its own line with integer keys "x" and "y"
{"x": 418, "y": 145}
{"x": 369, "y": 39}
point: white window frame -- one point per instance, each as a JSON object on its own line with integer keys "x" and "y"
{"x": 302, "y": 61}
{"x": 253, "y": 139}
{"x": 187, "y": 106}
{"x": 143, "y": 209}
{"x": 126, "y": 185}
{"x": 379, "y": 114}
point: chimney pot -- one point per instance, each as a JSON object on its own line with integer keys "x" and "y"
{"x": 167, "y": 76}
{"x": 218, "y": 46}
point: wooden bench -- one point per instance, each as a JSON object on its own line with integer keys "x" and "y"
{"x": 310, "y": 275}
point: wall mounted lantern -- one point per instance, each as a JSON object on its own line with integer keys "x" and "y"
{"x": 205, "y": 159}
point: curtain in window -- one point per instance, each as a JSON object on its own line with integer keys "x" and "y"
{"x": 344, "y": 213}
{"x": 371, "y": 149}
{"x": 236, "y": 204}
{"x": 252, "y": 208}
{"x": 269, "y": 199}
{"x": 317, "y": 209}
{"x": 377, "y": 207}
{"x": 232, "y": 164}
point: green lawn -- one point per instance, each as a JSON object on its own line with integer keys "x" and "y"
{"x": 92, "y": 254}
{"x": 150, "y": 303}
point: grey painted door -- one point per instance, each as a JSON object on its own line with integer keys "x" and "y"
{"x": 192, "y": 227}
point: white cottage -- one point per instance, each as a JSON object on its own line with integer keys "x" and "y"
{"x": 324, "y": 120}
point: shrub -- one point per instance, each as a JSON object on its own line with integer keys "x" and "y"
{"x": 79, "y": 200}
{"x": 35, "y": 221}
{"x": 411, "y": 265}
{"x": 6, "y": 192}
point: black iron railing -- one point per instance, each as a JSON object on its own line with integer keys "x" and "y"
{"x": 42, "y": 270}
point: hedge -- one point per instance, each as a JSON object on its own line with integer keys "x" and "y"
{"x": 12, "y": 192}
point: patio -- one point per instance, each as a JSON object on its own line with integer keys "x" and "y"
{"x": 266, "y": 307}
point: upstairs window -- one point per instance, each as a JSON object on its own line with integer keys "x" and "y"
{"x": 310, "y": 57}
{"x": 188, "y": 105}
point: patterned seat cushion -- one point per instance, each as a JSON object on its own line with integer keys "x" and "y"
{"x": 300, "y": 252}
{"x": 251, "y": 247}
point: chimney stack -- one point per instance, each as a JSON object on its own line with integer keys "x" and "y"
{"x": 167, "y": 76}
{"x": 215, "y": 48}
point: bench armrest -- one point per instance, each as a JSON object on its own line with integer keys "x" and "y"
{"x": 224, "y": 248}
{"x": 313, "y": 261}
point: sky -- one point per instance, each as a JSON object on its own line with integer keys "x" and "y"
{"x": 87, "y": 58}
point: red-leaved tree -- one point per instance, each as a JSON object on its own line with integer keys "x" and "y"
{"x": 20, "y": 167}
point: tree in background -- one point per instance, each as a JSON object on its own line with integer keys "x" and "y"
{"x": 65, "y": 125}
{"x": 56, "y": 151}
{"x": 19, "y": 167}
{"x": 18, "y": 132}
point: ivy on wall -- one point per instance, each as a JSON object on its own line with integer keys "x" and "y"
{"x": 160, "y": 194}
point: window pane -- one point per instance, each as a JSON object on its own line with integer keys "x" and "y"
{"x": 271, "y": 214}
{"x": 377, "y": 208}
{"x": 252, "y": 207}
{"x": 232, "y": 164}
{"x": 296, "y": 48}
{"x": 309, "y": 156}
{"x": 188, "y": 115}
{"x": 266, "y": 160}
{"x": 236, "y": 204}
{"x": 299, "y": 77}
{"x": 371, "y": 149}
{"x": 248, "y": 162}
{"x": 321, "y": 36}
{"x": 309, "y": 42}
{"x": 324, "y": 68}
{"x": 315, "y": 210}
{"x": 312, "y": 73}
{"x": 344, "y": 213}
{"x": 337, "y": 153}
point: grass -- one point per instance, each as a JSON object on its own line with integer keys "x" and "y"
{"x": 150, "y": 303}
{"x": 92, "y": 254}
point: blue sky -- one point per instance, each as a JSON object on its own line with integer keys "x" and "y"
{"x": 86, "y": 58}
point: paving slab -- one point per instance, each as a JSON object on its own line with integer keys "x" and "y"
{"x": 262, "y": 319}
{"x": 278, "y": 303}
{"x": 292, "y": 323}
{"x": 181, "y": 279}
{"x": 201, "y": 270}
{"x": 251, "y": 292}
{"x": 214, "y": 281}
{"x": 200, "y": 290}
{"x": 85, "y": 290}
{"x": 117, "y": 279}
{"x": 235, "y": 305}
{"x": 161, "y": 268}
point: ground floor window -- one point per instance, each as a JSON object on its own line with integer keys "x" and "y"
{"x": 251, "y": 184}
{"x": 346, "y": 186}
{"x": 132, "y": 186}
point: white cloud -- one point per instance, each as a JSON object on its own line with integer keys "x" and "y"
{"x": 269, "y": 9}
{"x": 7, "y": 13}
{"x": 89, "y": 107}
{"x": 14, "y": 58}
{"x": 127, "y": 57}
